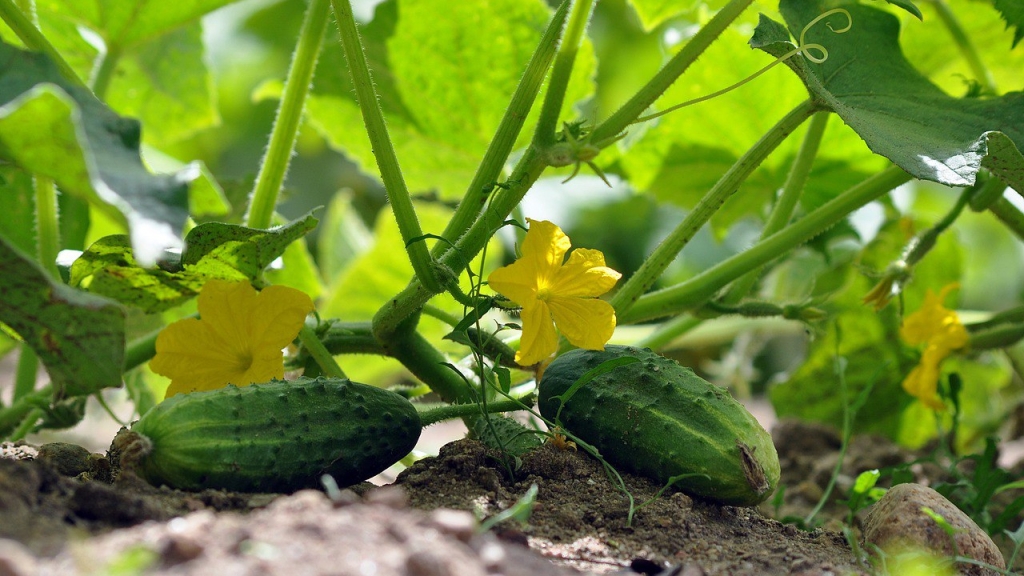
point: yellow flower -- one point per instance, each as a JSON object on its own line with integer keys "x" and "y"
{"x": 238, "y": 338}
{"x": 940, "y": 330}
{"x": 553, "y": 291}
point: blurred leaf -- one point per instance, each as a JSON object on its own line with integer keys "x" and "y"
{"x": 343, "y": 237}
{"x": 908, "y": 6}
{"x": 898, "y": 112}
{"x": 875, "y": 354}
{"x": 297, "y": 270}
{"x": 213, "y": 250}
{"x": 680, "y": 156}
{"x": 55, "y": 129}
{"x": 161, "y": 75}
{"x": 1013, "y": 12}
{"x": 167, "y": 84}
{"x": 443, "y": 83}
{"x": 79, "y": 337}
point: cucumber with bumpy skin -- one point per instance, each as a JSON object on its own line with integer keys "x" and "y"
{"x": 274, "y": 437}
{"x": 658, "y": 419}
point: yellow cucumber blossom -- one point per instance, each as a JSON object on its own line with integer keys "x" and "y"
{"x": 555, "y": 292}
{"x": 238, "y": 338}
{"x": 941, "y": 331}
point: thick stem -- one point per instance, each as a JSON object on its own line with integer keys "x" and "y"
{"x": 511, "y": 124}
{"x": 658, "y": 261}
{"x": 25, "y": 375}
{"x": 12, "y": 416}
{"x": 547, "y": 123}
{"x": 788, "y": 198}
{"x": 383, "y": 150}
{"x": 34, "y": 40}
{"x": 698, "y": 289}
{"x": 319, "y": 352}
{"x": 289, "y": 114}
{"x": 431, "y": 367}
{"x": 105, "y": 72}
{"x": 1010, "y": 215}
{"x": 47, "y": 225}
{"x": 657, "y": 86}
{"x": 451, "y": 411}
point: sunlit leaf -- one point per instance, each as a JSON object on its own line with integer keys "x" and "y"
{"x": 79, "y": 337}
{"x": 213, "y": 250}
{"x": 897, "y": 111}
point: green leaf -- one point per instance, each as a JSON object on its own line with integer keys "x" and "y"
{"x": 213, "y": 250}
{"x": 166, "y": 83}
{"x": 1013, "y": 12}
{"x": 443, "y": 84}
{"x": 680, "y": 156}
{"x": 129, "y": 23}
{"x": 79, "y": 337}
{"x": 898, "y": 112}
{"x": 908, "y": 6}
{"x": 55, "y": 129}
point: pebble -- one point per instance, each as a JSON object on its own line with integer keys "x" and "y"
{"x": 897, "y": 521}
{"x": 458, "y": 523}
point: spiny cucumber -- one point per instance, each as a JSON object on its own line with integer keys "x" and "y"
{"x": 659, "y": 419}
{"x": 275, "y": 437}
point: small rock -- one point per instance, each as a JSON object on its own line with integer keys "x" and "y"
{"x": 69, "y": 459}
{"x": 15, "y": 559}
{"x": 178, "y": 549}
{"x": 896, "y": 521}
{"x": 426, "y": 563}
{"x": 457, "y": 523}
{"x": 390, "y": 496}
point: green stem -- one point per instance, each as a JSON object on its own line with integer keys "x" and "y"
{"x": 351, "y": 338}
{"x": 11, "y": 417}
{"x": 658, "y": 261}
{"x": 544, "y": 134}
{"x": 989, "y": 192}
{"x": 698, "y": 289}
{"x": 27, "y": 424}
{"x": 788, "y": 198}
{"x": 318, "y": 351}
{"x": 383, "y": 150}
{"x": 430, "y": 366}
{"x": 411, "y": 300}
{"x": 1001, "y": 337}
{"x": 25, "y": 375}
{"x": 47, "y": 225}
{"x": 657, "y": 86}
{"x": 668, "y": 331}
{"x": 504, "y": 140}
{"x": 34, "y": 40}
{"x": 1009, "y": 215}
{"x": 963, "y": 42}
{"x": 451, "y": 411}
{"x": 289, "y": 114}
{"x": 105, "y": 71}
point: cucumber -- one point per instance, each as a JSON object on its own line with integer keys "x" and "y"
{"x": 276, "y": 437}
{"x": 656, "y": 418}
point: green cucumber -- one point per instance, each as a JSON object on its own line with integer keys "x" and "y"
{"x": 276, "y": 437}
{"x": 656, "y": 418}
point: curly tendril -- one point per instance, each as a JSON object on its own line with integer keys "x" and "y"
{"x": 803, "y": 48}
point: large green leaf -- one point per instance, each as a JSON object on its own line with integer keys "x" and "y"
{"x": 898, "y": 112}
{"x": 213, "y": 250}
{"x": 444, "y": 84}
{"x": 79, "y": 337}
{"x": 161, "y": 76}
{"x": 52, "y": 128}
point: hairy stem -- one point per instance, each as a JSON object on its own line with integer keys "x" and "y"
{"x": 105, "y": 71}
{"x": 658, "y": 261}
{"x": 384, "y": 150}
{"x": 511, "y": 125}
{"x": 698, "y": 289}
{"x": 788, "y": 198}
{"x": 544, "y": 135}
{"x": 289, "y": 113}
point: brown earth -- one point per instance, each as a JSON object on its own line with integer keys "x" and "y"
{"x": 63, "y": 514}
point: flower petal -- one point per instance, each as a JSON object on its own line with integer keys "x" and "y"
{"x": 545, "y": 246}
{"x": 585, "y": 322}
{"x": 930, "y": 319}
{"x": 517, "y": 282}
{"x": 584, "y": 275}
{"x": 539, "y": 338}
{"x": 923, "y": 380}
{"x": 277, "y": 316}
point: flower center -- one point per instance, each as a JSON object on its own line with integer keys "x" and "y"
{"x": 244, "y": 361}
{"x": 543, "y": 293}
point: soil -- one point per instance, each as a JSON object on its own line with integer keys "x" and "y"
{"x": 65, "y": 511}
